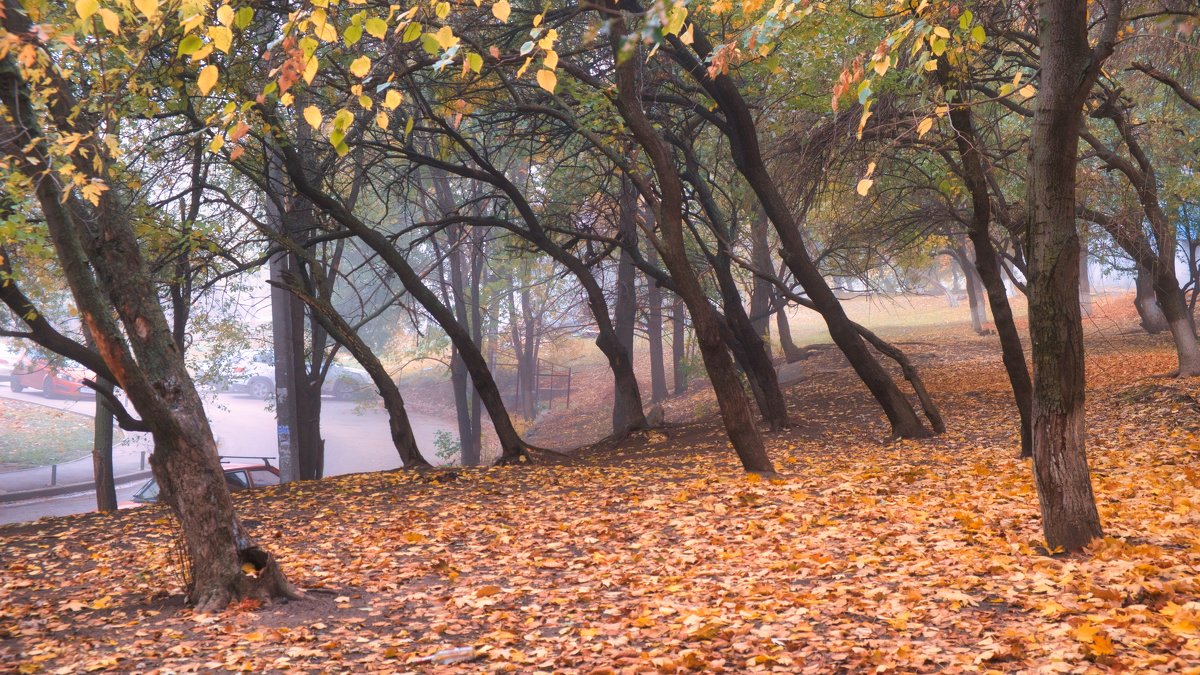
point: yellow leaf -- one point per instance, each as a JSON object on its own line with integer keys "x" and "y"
{"x": 249, "y": 570}
{"x": 941, "y": 32}
{"x": 103, "y": 603}
{"x": 217, "y": 143}
{"x": 864, "y": 186}
{"x": 381, "y": 118}
{"x": 111, "y": 20}
{"x": 550, "y": 60}
{"x": 931, "y": 65}
{"x": 225, "y": 15}
{"x": 924, "y": 127}
{"x": 415, "y": 537}
{"x": 86, "y": 8}
{"x": 376, "y": 28}
{"x": 392, "y": 99}
{"x": 1086, "y": 632}
{"x": 147, "y": 7}
{"x": 310, "y": 70}
{"x": 881, "y": 66}
{"x": 689, "y": 35}
{"x": 1103, "y": 646}
{"x": 547, "y": 80}
{"x": 207, "y": 78}
{"x": 870, "y": 170}
{"x": 313, "y": 116}
{"x": 360, "y": 67}
{"x": 1028, "y": 91}
{"x": 445, "y": 37}
{"x": 501, "y": 10}
{"x": 221, "y": 36}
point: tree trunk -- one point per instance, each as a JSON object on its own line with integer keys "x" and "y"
{"x": 783, "y": 324}
{"x": 185, "y": 461}
{"x": 1153, "y": 319}
{"x": 345, "y": 335}
{"x": 1085, "y": 280}
{"x": 761, "y": 291}
{"x": 742, "y": 133}
{"x": 757, "y": 360}
{"x": 679, "y": 346}
{"x": 1069, "y": 68}
{"x": 102, "y": 457}
{"x": 512, "y": 448}
{"x": 735, "y": 410}
{"x": 625, "y": 308}
{"x": 987, "y": 264}
{"x": 1179, "y": 319}
{"x": 654, "y": 332}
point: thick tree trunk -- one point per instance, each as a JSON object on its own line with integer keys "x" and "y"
{"x": 654, "y": 332}
{"x": 1069, "y": 516}
{"x": 731, "y": 399}
{"x": 627, "y": 409}
{"x": 1179, "y": 320}
{"x": 1153, "y": 319}
{"x": 987, "y": 265}
{"x": 679, "y": 345}
{"x": 761, "y": 291}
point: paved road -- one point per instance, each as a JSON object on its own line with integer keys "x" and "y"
{"x": 356, "y": 440}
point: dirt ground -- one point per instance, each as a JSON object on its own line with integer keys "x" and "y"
{"x": 659, "y": 555}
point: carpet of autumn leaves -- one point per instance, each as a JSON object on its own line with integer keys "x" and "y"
{"x": 661, "y": 556}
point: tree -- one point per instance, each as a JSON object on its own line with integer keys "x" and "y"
{"x": 1069, "y": 68}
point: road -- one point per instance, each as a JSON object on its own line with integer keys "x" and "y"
{"x": 356, "y": 440}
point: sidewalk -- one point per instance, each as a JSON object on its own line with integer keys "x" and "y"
{"x": 130, "y": 463}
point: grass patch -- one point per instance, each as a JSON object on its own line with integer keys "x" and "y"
{"x": 36, "y": 435}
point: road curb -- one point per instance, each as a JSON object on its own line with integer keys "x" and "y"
{"x": 57, "y": 490}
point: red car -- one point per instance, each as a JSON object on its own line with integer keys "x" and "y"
{"x": 238, "y": 476}
{"x": 64, "y": 381}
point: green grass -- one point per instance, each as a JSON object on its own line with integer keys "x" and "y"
{"x": 35, "y": 435}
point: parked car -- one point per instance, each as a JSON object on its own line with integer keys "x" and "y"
{"x": 10, "y": 355}
{"x": 54, "y": 380}
{"x": 252, "y": 472}
{"x": 255, "y": 375}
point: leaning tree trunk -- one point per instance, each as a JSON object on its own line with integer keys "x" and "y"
{"x": 1179, "y": 318}
{"x": 1069, "y": 68}
{"x": 731, "y": 398}
{"x": 512, "y": 449}
{"x": 104, "y": 269}
{"x": 341, "y": 331}
{"x": 1012, "y": 353}
{"x": 741, "y": 131}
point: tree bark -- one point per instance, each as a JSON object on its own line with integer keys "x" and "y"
{"x": 1153, "y": 320}
{"x": 1069, "y": 68}
{"x": 102, "y": 457}
{"x": 783, "y": 324}
{"x": 735, "y": 409}
{"x": 625, "y": 308}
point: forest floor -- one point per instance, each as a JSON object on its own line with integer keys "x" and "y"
{"x": 660, "y": 555}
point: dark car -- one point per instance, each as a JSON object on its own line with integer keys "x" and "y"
{"x": 238, "y": 476}
{"x": 53, "y": 380}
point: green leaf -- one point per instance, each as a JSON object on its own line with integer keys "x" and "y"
{"x": 352, "y": 34}
{"x": 965, "y": 19}
{"x": 411, "y": 32}
{"x": 189, "y": 45}
{"x": 475, "y": 62}
{"x": 243, "y": 17}
{"x": 377, "y": 28}
{"x": 978, "y": 35}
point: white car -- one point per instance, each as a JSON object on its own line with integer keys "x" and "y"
{"x": 255, "y": 375}
{"x": 10, "y": 354}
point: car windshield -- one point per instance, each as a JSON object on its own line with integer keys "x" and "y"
{"x": 148, "y": 494}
